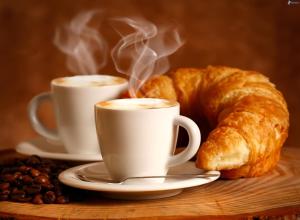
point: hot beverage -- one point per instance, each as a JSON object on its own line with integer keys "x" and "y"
{"x": 73, "y": 100}
{"x": 131, "y": 104}
{"x": 90, "y": 81}
{"x": 137, "y": 137}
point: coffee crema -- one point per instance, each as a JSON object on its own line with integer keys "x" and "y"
{"x": 136, "y": 103}
{"x": 88, "y": 81}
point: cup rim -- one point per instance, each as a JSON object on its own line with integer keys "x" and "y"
{"x": 174, "y": 104}
{"x": 124, "y": 81}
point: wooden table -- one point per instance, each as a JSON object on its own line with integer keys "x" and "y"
{"x": 276, "y": 194}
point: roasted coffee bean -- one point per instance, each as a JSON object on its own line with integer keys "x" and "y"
{"x": 20, "y": 198}
{"x": 3, "y": 197}
{"x": 8, "y": 178}
{"x": 33, "y": 160}
{"x": 34, "y": 180}
{"x": 4, "y": 186}
{"x": 37, "y": 199}
{"x": 45, "y": 170}
{"x": 24, "y": 199}
{"x": 17, "y": 195}
{"x": 5, "y": 192}
{"x": 24, "y": 169}
{"x": 49, "y": 197}
{"x": 13, "y": 169}
{"x": 58, "y": 191}
{"x": 45, "y": 174}
{"x": 27, "y": 179}
{"x": 19, "y": 184}
{"x": 42, "y": 179}
{"x": 48, "y": 186}
{"x": 33, "y": 189}
{"x": 62, "y": 200}
{"x": 18, "y": 175}
{"x": 16, "y": 191}
{"x": 34, "y": 172}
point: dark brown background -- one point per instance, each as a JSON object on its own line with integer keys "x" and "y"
{"x": 262, "y": 35}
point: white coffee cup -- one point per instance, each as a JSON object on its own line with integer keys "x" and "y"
{"x": 74, "y": 99}
{"x": 137, "y": 137}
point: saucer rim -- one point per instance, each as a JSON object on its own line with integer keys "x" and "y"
{"x": 69, "y": 178}
{"x": 23, "y": 148}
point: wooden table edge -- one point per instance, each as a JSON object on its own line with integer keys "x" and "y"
{"x": 291, "y": 212}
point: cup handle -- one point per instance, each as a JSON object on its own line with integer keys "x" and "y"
{"x": 34, "y": 120}
{"x": 194, "y": 141}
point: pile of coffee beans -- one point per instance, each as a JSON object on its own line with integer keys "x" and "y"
{"x": 34, "y": 180}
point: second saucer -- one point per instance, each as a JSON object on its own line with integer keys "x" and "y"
{"x": 41, "y": 147}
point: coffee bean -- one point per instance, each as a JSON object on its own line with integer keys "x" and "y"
{"x": 62, "y": 200}
{"x": 18, "y": 175}
{"x": 33, "y": 189}
{"x": 18, "y": 195}
{"x": 17, "y": 191}
{"x": 45, "y": 174}
{"x": 33, "y": 160}
{"x": 49, "y": 197}
{"x": 34, "y": 180}
{"x": 5, "y": 192}
{"x": 20, "y": 198}
{"x": 34, "y": 172}
{"x": 8, "y": 178}
{"x": 45, "y": 170}
{"x": 27, "y": 179}
{"x": 24, "y": 169}
{"x": 42, "y": 179}
{"x": 38, "y": 199}
{"x": 14, "y": 190}
{"x": 25, "y": 199}
{"x": 58, "y": 191}
{"x": 3, "y": 197}
{"x": 4, "y": 186}
{"x": 48, "y": 186}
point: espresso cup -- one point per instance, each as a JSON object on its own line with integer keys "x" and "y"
{"x": 138, "y": 137}
{"x": 73, "y": 100}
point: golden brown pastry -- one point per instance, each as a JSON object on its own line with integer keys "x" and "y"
{"x": 247, "y": 115}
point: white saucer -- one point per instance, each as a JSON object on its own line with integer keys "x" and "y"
{"x": 41, "y": 147}
{"x": 134, "y": 190}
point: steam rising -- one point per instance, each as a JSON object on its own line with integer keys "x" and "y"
{"x": 144, "y": 52}
{"x": 140, "y": 54}
{"x": 84, "y": 46}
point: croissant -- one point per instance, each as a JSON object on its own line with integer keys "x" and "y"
{"x": 245, "y": 116}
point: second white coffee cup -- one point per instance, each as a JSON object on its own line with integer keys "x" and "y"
{"x": 138, "y": 136}
{"x": 74, "y": 99}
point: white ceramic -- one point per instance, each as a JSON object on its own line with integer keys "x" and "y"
{"x": 138, "y": 136}
{"x": 43, "y": 148}
{"x": 136, "y": 190}
{"x": 73, "y": 102}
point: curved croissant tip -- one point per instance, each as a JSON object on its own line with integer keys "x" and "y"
{"x": 212, "y": 156}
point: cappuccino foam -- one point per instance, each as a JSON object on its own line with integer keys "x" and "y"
{"x": 132, "y": 104}
{"x": 88, "y": 81}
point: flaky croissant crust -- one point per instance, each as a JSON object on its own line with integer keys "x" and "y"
{"x": 247, "y": 114}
